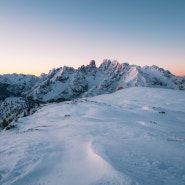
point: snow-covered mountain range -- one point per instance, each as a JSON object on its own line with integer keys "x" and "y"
{"x": 68, "y": 83}
{"x": 134, "y": 136}
{"x": 16, "y": 84}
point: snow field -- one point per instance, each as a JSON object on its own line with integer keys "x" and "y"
{"x": 135, "y": 136}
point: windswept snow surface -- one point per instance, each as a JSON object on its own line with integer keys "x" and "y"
{"x": 134, "y": 136}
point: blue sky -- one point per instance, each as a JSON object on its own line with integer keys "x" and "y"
{"x": 38, "y": 35}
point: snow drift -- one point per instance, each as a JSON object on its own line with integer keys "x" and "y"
{"x": 134, "y": 136}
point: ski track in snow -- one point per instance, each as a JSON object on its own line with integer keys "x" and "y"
{"x": 135, "y": 136}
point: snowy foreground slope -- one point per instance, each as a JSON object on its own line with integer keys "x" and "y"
{"x": 134, "y": 136}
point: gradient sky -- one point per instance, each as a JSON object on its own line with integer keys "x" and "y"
{"x": 37, "y": 35}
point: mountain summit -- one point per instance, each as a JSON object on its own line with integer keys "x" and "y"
{"x": 69, "y": 83}
{"x": 66, "y": 83}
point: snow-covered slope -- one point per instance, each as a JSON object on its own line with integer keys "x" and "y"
{"x": 16, "y": 84}
{"x": 69, "y": 83}
{"x": 133, "y": 136}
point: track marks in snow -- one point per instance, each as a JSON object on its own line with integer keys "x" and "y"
{"x": 105, "y": 140}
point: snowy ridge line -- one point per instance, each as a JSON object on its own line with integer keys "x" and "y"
{"x": 67, "y": 83}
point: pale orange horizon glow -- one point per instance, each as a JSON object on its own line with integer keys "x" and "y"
{"x": 34, "y": 38}
{"x": 37, "y": 70}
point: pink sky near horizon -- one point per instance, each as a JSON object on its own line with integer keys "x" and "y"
{"x": 35, "y": 70}
{"x": 36, "y": 36}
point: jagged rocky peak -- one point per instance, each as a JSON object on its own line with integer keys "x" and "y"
{"x": 158, "y": 68}
{"x": 92, "y": 63}
{"x": 125, "y": 64}
{"x": 60, "y": 74}
{"x": 114, "y": 66}
{"x": 115, "y": 63}
{"x": 69, "y": 83}
{"x": 105, "y": 64}
{"x": 164, "y": 72}
{"x": 91, "y": 67}
{"x": 60, "y": 70}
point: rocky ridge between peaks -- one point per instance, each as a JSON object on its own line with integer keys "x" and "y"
{"x": 21, "y": 95}
{"x": 67, "y": 83}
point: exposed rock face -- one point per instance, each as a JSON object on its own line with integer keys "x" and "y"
{"x": 68, "y": 83}
{"x": 20, "y": 94}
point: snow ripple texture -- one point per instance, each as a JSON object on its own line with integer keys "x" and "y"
{"x": 135, "y": 136}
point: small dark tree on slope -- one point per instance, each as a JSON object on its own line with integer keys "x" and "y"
{"x": 4, "y": 124}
